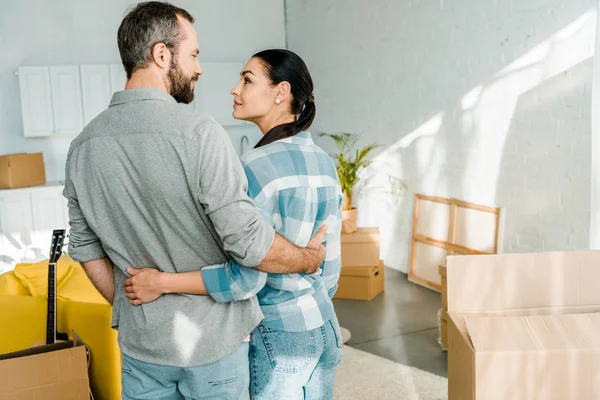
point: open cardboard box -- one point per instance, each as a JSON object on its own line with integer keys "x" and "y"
{"x": 56, "y": 371}
{"x": 524, "y": 326}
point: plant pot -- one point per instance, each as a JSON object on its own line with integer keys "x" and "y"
{"x": 349, "y": 220}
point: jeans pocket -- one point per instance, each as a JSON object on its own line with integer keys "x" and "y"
{"x": 289, "y": 352}
{"x": 126, "y": 367}
{"x": 224, "y": 381}
{"x": 132, "y": 380}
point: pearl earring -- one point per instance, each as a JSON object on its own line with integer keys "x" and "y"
{"x": 277, "y": 101}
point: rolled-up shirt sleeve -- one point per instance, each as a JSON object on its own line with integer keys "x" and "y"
{"x": 84, "y": 245}
{"x": 223, "y": 193}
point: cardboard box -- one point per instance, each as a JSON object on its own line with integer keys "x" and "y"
{"x": 50, "y": 372}
{"x": 361, "y": 283}
{"x": 444, "y": 285}
{"x": 524, "y": 326}
{"x": 22, "y": 170}
{"x": 360, "y": 248}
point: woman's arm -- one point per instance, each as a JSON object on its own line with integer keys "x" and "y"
{"x": 148, "y": 284}
{"x": 223, "y": 282}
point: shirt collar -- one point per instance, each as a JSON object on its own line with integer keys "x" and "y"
{"x": 303, "y": 138}
{"x": 141, "y": 94}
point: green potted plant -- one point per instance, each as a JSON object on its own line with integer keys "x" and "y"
{"x": 349, "y": 162}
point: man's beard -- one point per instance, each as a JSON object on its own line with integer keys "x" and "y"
{"x": 180, "y": 84}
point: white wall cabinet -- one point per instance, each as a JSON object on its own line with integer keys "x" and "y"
{"x": 27, "y": 218}
{"x": 63, "y": 99}
{"x": 66, "y": 99}
{"x": 36, "y": 101}
{"x": 96, "y": 90}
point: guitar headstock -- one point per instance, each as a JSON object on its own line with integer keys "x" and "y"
{"x": 58, "y": 240}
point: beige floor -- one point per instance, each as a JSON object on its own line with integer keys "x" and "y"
{"x": 364, "y": 376}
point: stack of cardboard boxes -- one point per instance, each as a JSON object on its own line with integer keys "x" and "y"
{"x": 362, "y": 275}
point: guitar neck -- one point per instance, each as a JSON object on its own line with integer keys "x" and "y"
{"x": 51, "y": 312}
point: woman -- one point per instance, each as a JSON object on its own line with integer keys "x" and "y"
{"x": 294, "y": 352}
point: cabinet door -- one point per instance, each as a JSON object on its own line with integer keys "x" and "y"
{"x": 66, "y": 99}
{"x": 118, "y": 78}
{"x": 36, "y": 101}
{"x": 16, "y": 227}
{"x": 96, "y": 90}
{"x": 49, "y": 212}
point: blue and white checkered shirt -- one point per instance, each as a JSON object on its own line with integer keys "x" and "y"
{"x": 296, "y": 187}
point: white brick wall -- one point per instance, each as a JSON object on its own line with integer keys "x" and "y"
{"x": 486, "y": 101}
{"x": 595, "y": 147}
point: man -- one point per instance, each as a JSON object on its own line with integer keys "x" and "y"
{"x": 149, "y": 183}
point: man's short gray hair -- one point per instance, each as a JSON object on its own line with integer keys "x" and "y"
{"x": 146, "y": 25}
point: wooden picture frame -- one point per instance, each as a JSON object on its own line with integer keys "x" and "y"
{"x": 468, "y": 228}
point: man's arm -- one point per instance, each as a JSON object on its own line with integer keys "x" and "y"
{"x": 85, "y": 246}
{"x": 286, "y": 258}
{"x": 100, "y": 272}
{"x": 223, "y": 282}
{"x": 234, "y": 282}
{"x": 223, "y": 193}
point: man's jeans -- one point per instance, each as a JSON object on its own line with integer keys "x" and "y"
{"x": 227, "y": 378}
{"x": 294, "y": 365}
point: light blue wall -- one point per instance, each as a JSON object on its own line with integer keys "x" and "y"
{"x": 59, "y": 32}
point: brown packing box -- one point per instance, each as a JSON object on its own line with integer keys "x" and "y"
{"x": 360, "y": 248}
{"x": 360, "y": 283}
{"x": 524, "y": 326}
{"x": 22, "y": 170}
{"x": 50, "y": 372}
{"x": 444, "y": 285}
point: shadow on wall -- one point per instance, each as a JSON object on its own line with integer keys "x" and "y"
{"x": 515, "y": 141}
{"x": 18, "y": 247}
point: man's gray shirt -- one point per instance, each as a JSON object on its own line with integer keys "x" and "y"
{"x": 152, "y": 184}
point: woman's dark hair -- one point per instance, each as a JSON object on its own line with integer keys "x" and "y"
{"x": 285, "y": 66}
{"x": 144, "y": 26}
